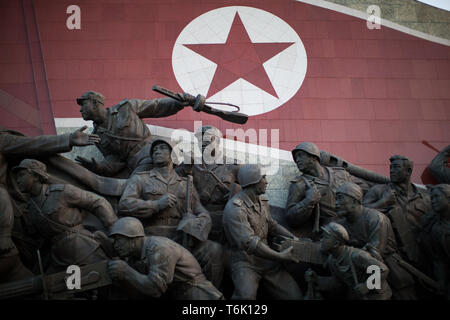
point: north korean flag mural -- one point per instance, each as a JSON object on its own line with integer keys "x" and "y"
{"x": 313, "y": 72}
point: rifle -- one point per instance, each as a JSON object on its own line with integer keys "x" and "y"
{"x": 54, "y": 285}
{"x": 304, "y": 248}
{"x": 200, "y": 105}
{"x": 416, "y": 272}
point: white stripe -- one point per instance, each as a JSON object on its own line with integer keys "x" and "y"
{"x": 251, "y": 148}
{"x": 384, "y": 22}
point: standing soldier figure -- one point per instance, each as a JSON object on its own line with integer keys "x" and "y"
{"x": 404, "y": 204}
{"x": 311, "y": 198}
{"x": 349, "y": 267}
{"x": 159, "y": 199}
{"x": 157, "y": 265}
{"x": 125, "y": 138}
{"x": 13, "y": 147}
{"x": 248, "y": 223}
{"x": 215, "y": 181}
{"x": 436, "y": 236}
{"x": 55, "y": 211}
{"x": 370, "y": 230}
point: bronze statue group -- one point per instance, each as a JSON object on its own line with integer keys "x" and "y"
{"x": 206, "y": 231}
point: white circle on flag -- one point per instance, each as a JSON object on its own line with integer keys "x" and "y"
{"x": 286, "y": 70}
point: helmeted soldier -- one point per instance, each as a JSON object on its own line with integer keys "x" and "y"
{"x": 214, "y": 179}
{"x": 349, "y": 267}
{"x": 370, "y": 230}
{"x": 311, "y": 198}
{"x": 436, "y": 236}
{"x": 160, "y": 198}
{"x": 125, "y": 138}
{"x": 55, "y": 211}
{"x": 157, "y": 266}
{"x": 248, "y": 223}
{"x": 404, "y": 204}
{"x": 439, "y": 166}
{"x": 13, "y": 147}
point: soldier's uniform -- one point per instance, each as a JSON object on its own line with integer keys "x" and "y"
{"x": 56, "y": 215}
{"x": 436, "y": 241}
{"x": 246, "y": 224}
{"x": 300, "y": 209}
{"x": 350, "y": 269}
{"x": 13, "y": 147}
{"x": 173, "y": 271}
{"x": 125, "y": 138}
{"x": 140, "y": 200}
{"x": 406, "y": 216}
{"x": 216, "y": 184}
{"x": 373, "y": 233}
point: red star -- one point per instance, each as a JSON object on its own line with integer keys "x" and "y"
{"x": 239, "y": 58}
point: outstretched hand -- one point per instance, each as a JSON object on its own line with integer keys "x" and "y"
{"x": 81, "y": 139}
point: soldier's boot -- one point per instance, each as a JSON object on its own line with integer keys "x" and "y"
{"x": 12, "y": 269}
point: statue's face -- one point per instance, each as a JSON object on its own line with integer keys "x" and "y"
{"x": 327, "y": 243}
{"x": 304, "y": 161}
{"x": 261, "y": 186}
{"x": 344, "y": 204}
{"x": 25, "y": 180}
{"x": 439, "y": 201}
{"x": 123, "y": 246}
{"x": 87, "y": 109}
{"x": 399, "y": 172}
{"x": 161, "y": 154}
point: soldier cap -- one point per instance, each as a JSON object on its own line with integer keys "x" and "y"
{"x": 249, "y": 174}
{"x": 34, "y": 165}
{"x": 159, "y": 141}
{"x": 309, "y": 148}
{"x": 129, "y": 227}
{"x": 210, "y": 129}
{"x": 444, "y": 188}
{"x": 337, "y": 231}
{"x": 91, "y": 95}
{"x": 351, "y": 189}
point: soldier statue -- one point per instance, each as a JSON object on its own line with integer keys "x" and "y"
{"x": 248, "y": 223}
{"x": 311, "y": 198}
{"x": 349, "y": 268}
{"x": 436, "y": 236}
{"x": 215, "y": 180}
{"x": 439, "y": 166}
{"x": 125, "y": 138}
{"x": 56, "y": 214}
{"x": 405, "y": 205}
{"x": 13, "y": 147}
{"x": 168, "y": 205}
{"x": 157, "y": 266}
{"x": 370, "y": 230}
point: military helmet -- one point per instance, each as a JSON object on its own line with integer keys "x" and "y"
{"x": 351, "y": 189}
{"x": 34, "y": 165}
{"x": 210, "y": 129}
{"x": 249, "y": 174}
{"x": 159, "y": 141}
{"x": 129, "y": 227}
{"x": 337, "y": 231}
{"x": 91, "y": 95}
{"x": 309, "y": 148}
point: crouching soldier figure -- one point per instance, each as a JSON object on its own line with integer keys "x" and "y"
{"x": 157, "y": 266}
{"x": 55, "y": 213}
{"x": 248, "y": 223}
{"x": 348, "y": 267}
